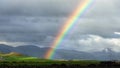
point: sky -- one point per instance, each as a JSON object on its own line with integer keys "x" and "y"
{"x": 36, "y": 22}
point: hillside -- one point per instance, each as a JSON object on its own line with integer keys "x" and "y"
{"x": 14, "y": 56}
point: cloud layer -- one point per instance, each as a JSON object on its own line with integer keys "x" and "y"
{"x": 37, "y": 7}
{"x": 38, "y": 21}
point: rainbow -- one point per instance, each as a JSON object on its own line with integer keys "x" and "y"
{"x": 69, "y": 24}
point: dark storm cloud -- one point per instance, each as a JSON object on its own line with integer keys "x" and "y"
{"x": 30, "y": 30}
{"x": 37, "y": 7}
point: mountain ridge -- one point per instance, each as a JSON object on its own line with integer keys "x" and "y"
{"x": 35, "y": 51}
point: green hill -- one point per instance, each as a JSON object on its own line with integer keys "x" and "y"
{"x": 14, "y": 56}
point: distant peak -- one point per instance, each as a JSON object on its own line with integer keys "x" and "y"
{"x": 108, "y": 50}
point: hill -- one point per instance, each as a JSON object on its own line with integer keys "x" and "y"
{"x": 14, "y": 56}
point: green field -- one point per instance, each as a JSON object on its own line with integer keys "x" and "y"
{"x": 19, "y": 58}
{"x": 37, "y": 61}
{"x": 44, "y": 61}
{"x": 16, "y": 60}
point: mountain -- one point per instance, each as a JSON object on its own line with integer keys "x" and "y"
{"x": 72, "y": 54}
{"x": 31, "y": 50}
{"x": 107, "y": 54}
{"x": 5, "y": 48}
{"x": 34, "y": 51}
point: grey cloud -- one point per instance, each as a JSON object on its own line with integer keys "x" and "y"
{"x": 31, "y": 30}
{"x": 37, "y": 7}
{"x": 102, "y": 27}
{"x": 103, "y": 9}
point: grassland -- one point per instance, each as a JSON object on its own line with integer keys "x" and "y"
{"x": 34, "y": 60}
{"x": 16, "y": 60}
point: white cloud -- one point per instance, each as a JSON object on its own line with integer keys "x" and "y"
{"x": 117, "y": 33}
{"x": 97, "y": 43}
{"x": 14, "y": 44}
